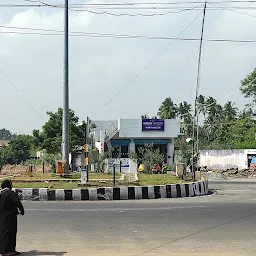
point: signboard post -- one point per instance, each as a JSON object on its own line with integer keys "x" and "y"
{"x": 152, "y": 125}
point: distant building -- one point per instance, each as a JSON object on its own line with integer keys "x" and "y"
{"x": 125, "y": 136}
{"x": 228, "y": 159}
{"x": 4, "y": 143}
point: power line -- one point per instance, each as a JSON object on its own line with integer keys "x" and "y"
{"x": 231, "y": 10}
{"x": 21, "y": 95}
{"x": 157, "y": 3}
{"x": 148, "y": 65}
{"x": 134, "y": 15}
{"x": 144, "y": 3}
{"x": 130, "y": 6}
{"x": 117, "y": 14}
{"x": 109, "y": 35}
{"x": 125, "y": 8}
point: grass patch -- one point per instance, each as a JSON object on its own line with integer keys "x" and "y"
{"x": 144, "y": 180}
{"x": 36, "y": 176}
{"x": 157, "y": 179}
{"x": 50, "y": 185}
{"x": 94, "y": 176}
{"x": 40, "y": 176}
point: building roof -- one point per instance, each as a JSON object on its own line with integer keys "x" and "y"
{"x": 4, "y": 142}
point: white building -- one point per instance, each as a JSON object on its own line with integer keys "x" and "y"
{"x": 125, "y": 136}
{"x": 227, "y": 159}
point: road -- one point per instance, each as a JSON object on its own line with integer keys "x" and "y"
{"x": 220, "y": 224}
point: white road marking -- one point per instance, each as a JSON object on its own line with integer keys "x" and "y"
{"x": 115, "y": 209}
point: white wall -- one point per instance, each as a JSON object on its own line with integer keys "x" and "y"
{"x": 225, "y": 159}
{"x": 132, "y": 128}
{"x": 170, "y": 152}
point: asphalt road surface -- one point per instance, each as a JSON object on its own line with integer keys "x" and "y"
{"x": 220, "y": 224}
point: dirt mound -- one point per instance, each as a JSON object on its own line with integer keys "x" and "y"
{"x": 228, "y": 174}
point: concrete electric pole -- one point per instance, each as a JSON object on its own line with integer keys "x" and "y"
{"x": 65, "y": 117}
{"x": 195, "y": 151}
{"x": 85, "y": 170}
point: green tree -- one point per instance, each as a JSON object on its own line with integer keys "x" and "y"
{"x": 6, "y": 134}
{"x": 148, "y": 156}
{"x": 201, "y": 105}
{"x": 4, "y": 154}
{"x": 242, "y": 133}
{"x": 184, "y": 112}
{"x": 167, "y": 110}
{"x": 97, "y": 159}
{"x": 230, "y": 112}
{"x": 50, "y": 137}
{"x": 248, "y": 86}
{"x": 19, "y": 149}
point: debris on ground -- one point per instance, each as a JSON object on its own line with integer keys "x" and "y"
{"x": 228, "y": 174}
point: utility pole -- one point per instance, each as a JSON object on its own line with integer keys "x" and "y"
{"x": 65, "y": 117}
{"x": 87, "y": 143}
{"x": 85, "y": 170}
{"x": 196, "y": 114}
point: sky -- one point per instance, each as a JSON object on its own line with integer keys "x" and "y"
{"x": 145, "y": 71}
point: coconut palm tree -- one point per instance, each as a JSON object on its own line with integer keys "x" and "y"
{"x": 167, "y": 110}
{"x": 184, "y": 109}
{"x": 201, "y": 105}
{"x": 184, "y": 112}
{"x": 230, "y": 112}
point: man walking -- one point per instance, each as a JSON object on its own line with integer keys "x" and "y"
{"x": 10, "y": 207}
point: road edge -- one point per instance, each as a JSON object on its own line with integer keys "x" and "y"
{"x": 199, "y": 188}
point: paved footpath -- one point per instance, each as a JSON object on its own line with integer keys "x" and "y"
{"x": 223, "y": 224}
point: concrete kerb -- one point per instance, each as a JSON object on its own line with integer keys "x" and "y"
{"x": 198, "y": 188}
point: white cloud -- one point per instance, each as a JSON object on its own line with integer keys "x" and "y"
{"x": 100, "y": 67}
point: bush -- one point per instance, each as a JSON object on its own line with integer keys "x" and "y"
{"x": 148, "y": 156}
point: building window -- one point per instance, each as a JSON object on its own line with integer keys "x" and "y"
{"x": 124, "y": 151}
{"x": 120, "y": 152}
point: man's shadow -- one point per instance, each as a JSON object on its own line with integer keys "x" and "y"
{"x": 38, "y": 253}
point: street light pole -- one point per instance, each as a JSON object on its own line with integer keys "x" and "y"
{"x": 65, "y": 116}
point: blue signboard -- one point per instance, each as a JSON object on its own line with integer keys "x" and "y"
{"x": 152, "y": 125}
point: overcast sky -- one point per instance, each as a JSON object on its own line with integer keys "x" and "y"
{"x": 100, "y": 67}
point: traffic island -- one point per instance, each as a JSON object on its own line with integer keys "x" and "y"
{"x": 198, "y": 188}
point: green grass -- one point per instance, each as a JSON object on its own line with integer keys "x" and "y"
{"x": 36, "y": 176}
{"x": 100, "y": 176}
{"x": 144, "y": 180}
{"x": 51, "y": 185}
{"x": 157, "y": 179}
{"x": 39, "y": 176}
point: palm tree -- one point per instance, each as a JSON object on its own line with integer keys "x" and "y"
{"x": 184, "y": 109}
{"x": 214, "y": 119}
{"x": 167, "y": 110}
{"x": 184, "y": 112}
{"x": 230, "y": 112}
{"x": 201, "y": 105}
{"x": 210, "y": 104}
